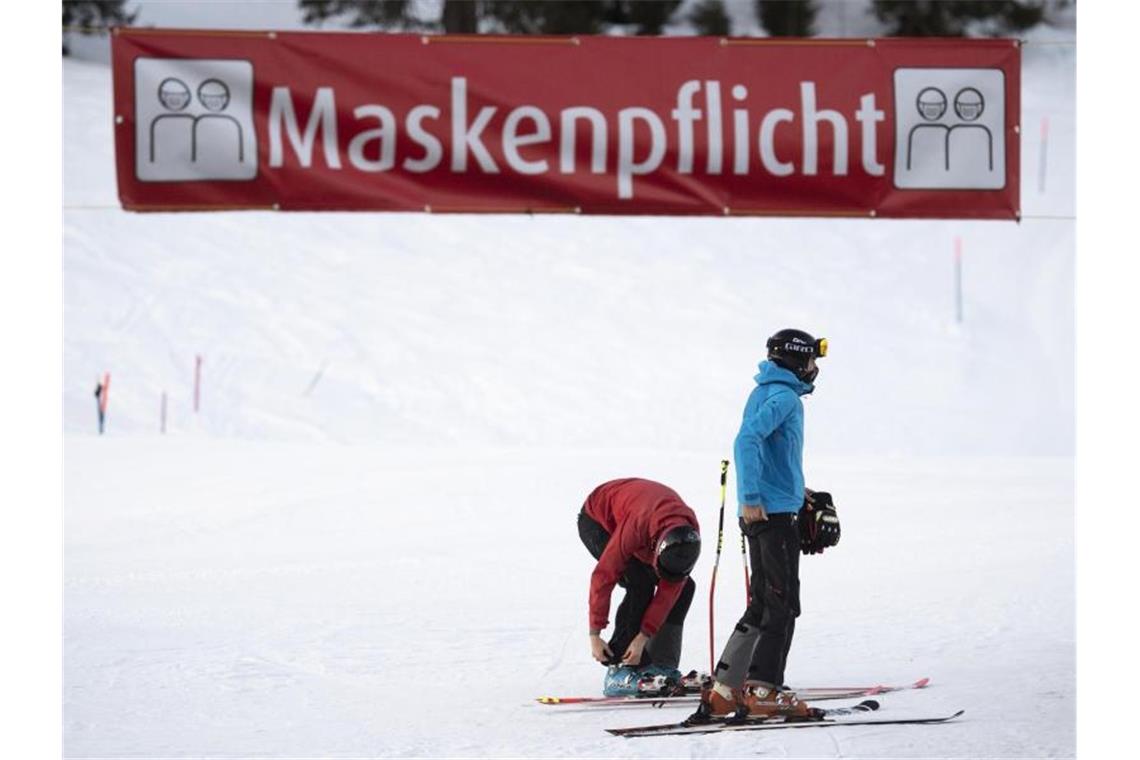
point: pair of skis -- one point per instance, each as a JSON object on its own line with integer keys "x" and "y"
{"x": 820, "y": 718}
{"x": 816, "y": 694}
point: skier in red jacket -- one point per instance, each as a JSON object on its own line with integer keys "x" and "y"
{"x": 647, "y": 540}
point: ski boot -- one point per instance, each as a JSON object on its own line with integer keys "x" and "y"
{"x": 650, "y": 681}
{"x": 620, "y": 681}
{"x": 718, "y": 703}
{"x": 761, "y": 700}
{"x": 624, "y": 681}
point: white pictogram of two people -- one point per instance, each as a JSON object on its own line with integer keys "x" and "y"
{"x": 214, "y": 96}
{"x": 968, "y": 105}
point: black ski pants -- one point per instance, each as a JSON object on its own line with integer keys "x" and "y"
{"x": 640, "y": 583}
{"x": 760, "y": 643}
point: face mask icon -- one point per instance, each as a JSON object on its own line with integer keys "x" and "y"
{"x": 931, "y": 103}
{"x": 173, "y": 94}
{"x": 969, "y": 104}
{"x": 214, "y": 95}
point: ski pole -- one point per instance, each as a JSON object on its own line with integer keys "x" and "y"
{"x": 747, "y": 581}
{"x": 716, "y": 563}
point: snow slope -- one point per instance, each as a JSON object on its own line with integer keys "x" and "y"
{"x": 401, "y": 414}
{"x": 231, "y": 598}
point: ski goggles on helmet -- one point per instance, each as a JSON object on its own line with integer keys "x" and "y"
{"x": 794, "y": 346}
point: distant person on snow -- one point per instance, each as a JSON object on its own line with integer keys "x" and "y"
{"x": 646, "y": 540}
{"x": 770, "y": 488}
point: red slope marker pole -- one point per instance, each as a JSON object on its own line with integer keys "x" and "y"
{"x": 197, "y": 380}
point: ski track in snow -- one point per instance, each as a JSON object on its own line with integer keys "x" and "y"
{"x": 342, "y": 571}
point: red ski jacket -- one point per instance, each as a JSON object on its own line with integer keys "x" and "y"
{"x": 636, "y": 513}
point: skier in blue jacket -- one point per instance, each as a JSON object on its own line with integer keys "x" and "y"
{"x": 770, "y": 489}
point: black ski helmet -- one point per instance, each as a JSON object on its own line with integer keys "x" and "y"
{"x": 677, "y": 552}
{"x": 795, "y": 350}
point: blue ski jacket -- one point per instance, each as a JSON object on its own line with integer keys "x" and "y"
{"x": 770, "y": 445}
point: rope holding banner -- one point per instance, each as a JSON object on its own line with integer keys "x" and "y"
{"x": 716, "y": 563}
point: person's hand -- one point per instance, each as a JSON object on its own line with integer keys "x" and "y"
{"x": 632, "y": 654}
{"x": 753, "y": 513}
{"x": 599, "y": 650}
{"x": 809, "y": 499}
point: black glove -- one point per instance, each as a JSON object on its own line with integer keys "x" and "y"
{"x": 819, "y": 528}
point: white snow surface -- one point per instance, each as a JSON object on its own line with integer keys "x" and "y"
{"x": 244, "y": 599}
{"x": 384, "y": 562}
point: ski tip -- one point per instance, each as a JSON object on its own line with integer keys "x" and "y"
{"x": 547, "y": 700}
{"x": 920, "y": 683}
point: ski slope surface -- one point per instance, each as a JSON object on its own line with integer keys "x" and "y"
{"x": 363, "y": 543}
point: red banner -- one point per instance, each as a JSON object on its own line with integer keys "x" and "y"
{"x": 594, "y": 125}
